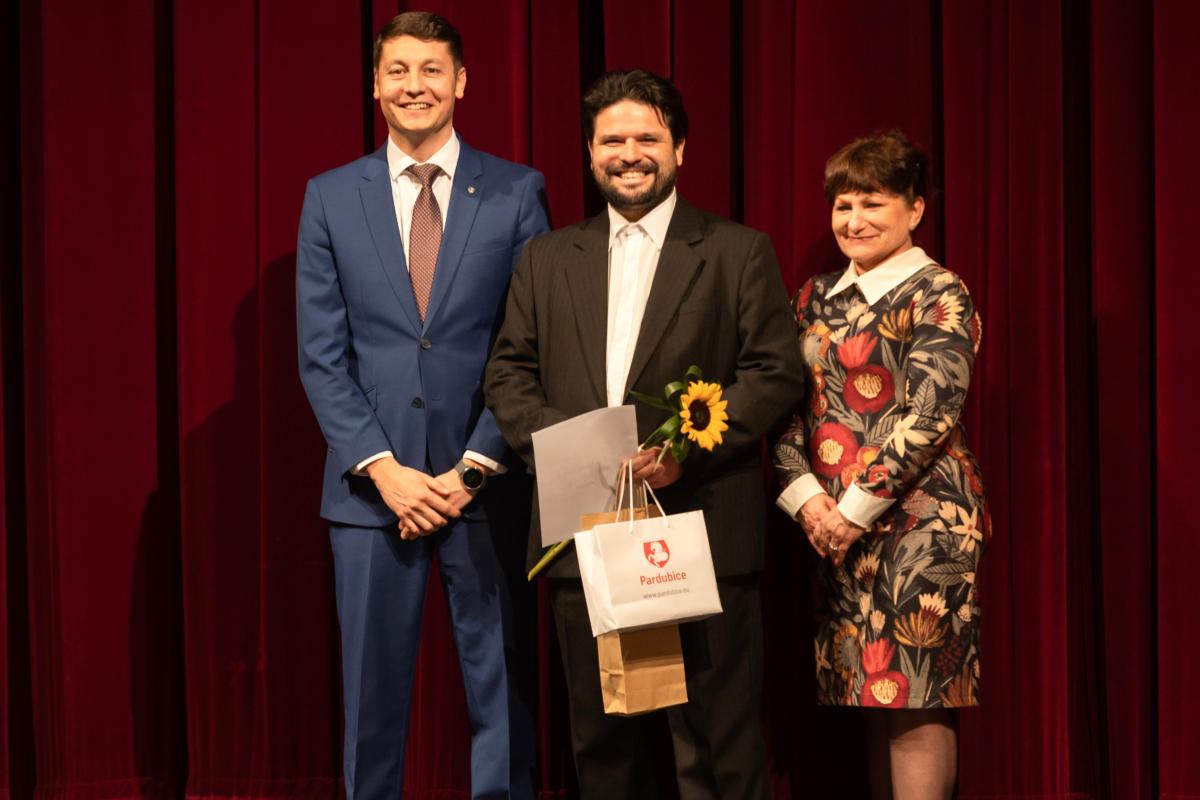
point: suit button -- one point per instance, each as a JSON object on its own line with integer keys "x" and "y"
{"x": 426, "y": 344}
{"x": 418, "y": 403}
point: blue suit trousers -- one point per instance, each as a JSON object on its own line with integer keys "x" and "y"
{"x": 381, "y": 586}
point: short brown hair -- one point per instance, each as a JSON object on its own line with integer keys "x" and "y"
{"x": 885, "y": 161}
{"x": 423, "y": 25}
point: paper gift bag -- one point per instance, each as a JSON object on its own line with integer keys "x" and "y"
{"x": 641, "y": 671}
{"x": 647, "y": 571}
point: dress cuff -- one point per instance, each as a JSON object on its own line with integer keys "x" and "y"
{"x": 797, "y": 493}
{"x": 861, "y": 508}
{"x": 495, "y": 466}
{"x": 361, "y": 467}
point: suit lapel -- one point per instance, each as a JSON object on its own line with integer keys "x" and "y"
{"x": 464, "y": 203}
{"x": 677, "y": 268}
{"x": 380, "y": 211}
{"x": 587, "y": 281}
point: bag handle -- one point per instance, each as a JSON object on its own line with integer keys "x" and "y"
{"x": 626, "y": 469}
{"x": 666, "y": 519}
{"x": 646, "y": 487}
{"x": 621, "y": 486}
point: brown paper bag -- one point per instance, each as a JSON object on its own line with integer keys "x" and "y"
{"x": 640, "y": 671}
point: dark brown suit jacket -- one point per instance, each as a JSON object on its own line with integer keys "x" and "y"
{"x": 717, "y": 301}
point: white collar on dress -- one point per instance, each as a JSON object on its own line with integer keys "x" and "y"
{"x": 446, "y": 157}
{"x": 654, "y": 224}
{"x": 875, "y": 283}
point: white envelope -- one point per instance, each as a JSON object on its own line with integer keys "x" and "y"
{"x": 577, "y": 462}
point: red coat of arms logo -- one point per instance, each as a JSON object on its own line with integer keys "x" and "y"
{"x": 657, "y": 552}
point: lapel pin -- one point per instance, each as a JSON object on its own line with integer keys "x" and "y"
{"x": 470, "y": 190}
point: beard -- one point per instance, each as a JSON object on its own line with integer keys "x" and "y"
{"x": 645, "y": 199}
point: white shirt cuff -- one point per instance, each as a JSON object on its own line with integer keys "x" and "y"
{"x": 361, "y": 467}
{"x": 861, "y": 508}
{"x": 797, "y": 493}
{"x": 495, "y": 466}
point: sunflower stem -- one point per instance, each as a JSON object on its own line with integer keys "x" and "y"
{"x": 548, "y": 556}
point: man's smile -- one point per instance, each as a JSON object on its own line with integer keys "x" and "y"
{"x": 630, "y": 174}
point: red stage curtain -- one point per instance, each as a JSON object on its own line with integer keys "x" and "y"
{"x": 167, "y": 618}
{"x": 1122, "y": 257}
{"x": 1175, "y": 536}
{"x": 1003, "y": 154}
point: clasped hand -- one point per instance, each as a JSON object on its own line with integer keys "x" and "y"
{"x": 423, "y": 503}
{"x": 828, "y": 531}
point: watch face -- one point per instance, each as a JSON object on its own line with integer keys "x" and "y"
{"x": 472, "y": 478}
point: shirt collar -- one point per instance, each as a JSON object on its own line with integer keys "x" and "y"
{"x": 655, "y": 223}
{"x": 446, "y": 158}
{"x": 875, "y": 283}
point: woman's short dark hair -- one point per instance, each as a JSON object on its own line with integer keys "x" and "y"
{"x": 885, "y": 161}
{"x": 423, "y": 25}
{"x": 640, "y": 86}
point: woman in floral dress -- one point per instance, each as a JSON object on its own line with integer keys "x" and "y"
{"x": 878, "y": 474}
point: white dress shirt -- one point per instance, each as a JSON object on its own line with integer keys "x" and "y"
{"x": 633, "y": 251}
{"x": 405, "y": 188}
{"x": 856, "y": 505}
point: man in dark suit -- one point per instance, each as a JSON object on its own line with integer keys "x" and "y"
{"x": 396, "y": 312}
{"x": 628, "y": 300}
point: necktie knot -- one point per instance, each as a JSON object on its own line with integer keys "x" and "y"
{"x": 425, "y": 173}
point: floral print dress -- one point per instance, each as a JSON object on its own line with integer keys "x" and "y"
{"x": 886, "y": 384}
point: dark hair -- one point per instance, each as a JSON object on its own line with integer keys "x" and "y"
{"x": 423, "y": 25}
{"x": 640, "y": 86}
{"x": 885, "y": 161}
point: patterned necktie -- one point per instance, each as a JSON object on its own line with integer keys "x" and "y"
{"x": 424, "y": 235}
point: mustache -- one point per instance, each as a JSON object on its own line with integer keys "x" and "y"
{"x": 644, "y": 166}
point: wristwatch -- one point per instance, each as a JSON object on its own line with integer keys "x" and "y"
{"x": 473, "y": 478}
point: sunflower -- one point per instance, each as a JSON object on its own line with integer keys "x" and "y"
{"x": 703, "y": 413}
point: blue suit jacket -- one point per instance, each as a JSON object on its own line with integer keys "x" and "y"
{"x": 376, "y": 377}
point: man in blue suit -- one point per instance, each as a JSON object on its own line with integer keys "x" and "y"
{"x": 396, "y": 311}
